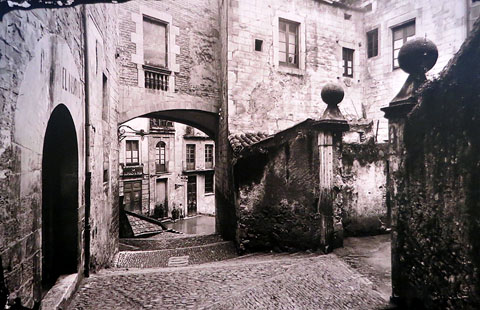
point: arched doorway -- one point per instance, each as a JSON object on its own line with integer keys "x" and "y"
{"x": 59, "y": 198}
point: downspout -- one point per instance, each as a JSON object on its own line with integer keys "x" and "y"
{"x": 88, "y": 174}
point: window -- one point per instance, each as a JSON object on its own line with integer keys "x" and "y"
{"x": 347, "y": 57}
{"x": 155, "y": 43}
{"x": 208, "y": 183}
{"x": 208, "y": 156}
{"x": 189, "y": 130}
{"x": 190, "y": 157}
{"x": 401, "y": 34}
{"x": 258, "y": 45}
{"x": 160, "y": 164}
{"x": 288, "y": 43}
{"x": 372, "y": 43}
{"x": 132, "y": 153}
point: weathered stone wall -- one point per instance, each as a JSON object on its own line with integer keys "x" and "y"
{"x": 363, "y": 188}
{"x": 444, "y": 22}
{"x": 268, "y": 97}
{"x": 438, "y": 193}
{"x": 193, "y": 56}
{"x": 21, "y": 156}
{"x": 102, "y": 30}
{"x": 42, "y": 61}
{"x": 277, "y": 197}
{"x": 225, "y": 211}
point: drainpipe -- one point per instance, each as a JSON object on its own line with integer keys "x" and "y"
{"x": 88, "y": 174}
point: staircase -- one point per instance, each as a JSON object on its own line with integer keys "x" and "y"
{"x": 173, "y": 250}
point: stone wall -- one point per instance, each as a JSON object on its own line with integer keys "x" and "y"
{"x": 277, "y": 197}
{"x": 193, "y": 56}
{"x": 102, "y": 30}
{"x": 282, "y": 202}
{"x": 443, "y": 22}
{"x": 42, "y": 61}
{"x": 268, "y": 97}
{"x": 226, "y": 217}
{"x": 438, "y": 190}
{"x": 363, "y": 188}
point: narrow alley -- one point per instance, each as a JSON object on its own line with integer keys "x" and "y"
{"x": 239, "y": 154}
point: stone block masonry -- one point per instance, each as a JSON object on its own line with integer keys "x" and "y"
{"x": 266, "y": 96}
{"x": 42, "y": 56}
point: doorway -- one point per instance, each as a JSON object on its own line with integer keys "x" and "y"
{"x": 133, "y": 196}
{"x": 161, "y": 199}
{"x": 192, "y": 195}
{"x": 59, "y": 198}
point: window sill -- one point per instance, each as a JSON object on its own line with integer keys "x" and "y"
{"x": 209, "y": 194}
{"x": 290, "y": 70}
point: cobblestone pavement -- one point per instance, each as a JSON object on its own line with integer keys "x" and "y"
{"x": 276, "y": 281}
{"x": 371, "y": 257}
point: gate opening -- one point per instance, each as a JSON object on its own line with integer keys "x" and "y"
{"x": 59, "y": 198}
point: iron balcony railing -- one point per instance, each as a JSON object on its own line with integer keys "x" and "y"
{"x": 156, "y": 78}
{"x": 160, "y": 168}
{"x": 132, "y": 170}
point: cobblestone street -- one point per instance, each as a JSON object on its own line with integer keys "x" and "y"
{"x": 260, "y": 281}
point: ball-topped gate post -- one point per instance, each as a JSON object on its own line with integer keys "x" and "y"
{"x": 416, "y": 57}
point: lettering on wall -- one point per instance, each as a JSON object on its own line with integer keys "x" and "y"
{"x": 70, "y": 83}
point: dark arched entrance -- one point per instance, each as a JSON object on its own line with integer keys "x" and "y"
{"x": 59, "y": 198}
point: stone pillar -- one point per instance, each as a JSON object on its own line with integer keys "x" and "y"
{"x": 329, "y": 138}
{"x": 416, "y": 57}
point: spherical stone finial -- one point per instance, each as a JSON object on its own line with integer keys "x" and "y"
{"x": 332, "y": 94}
{"x": 417, "y": 56}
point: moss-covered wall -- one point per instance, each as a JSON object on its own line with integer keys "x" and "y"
{"x": 363, "y": 175}
{"x": 278, "y": 197}
{"x": 438, "y": 193}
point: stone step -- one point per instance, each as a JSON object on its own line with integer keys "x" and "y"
{"x": 167, "y": 241}
{"x": 171, "y": 257}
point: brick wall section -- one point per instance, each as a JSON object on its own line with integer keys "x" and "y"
{"x": 438, "y": 190}
{"x": 262, "y": 96}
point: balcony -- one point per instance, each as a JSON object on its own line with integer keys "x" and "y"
{"x": 192, "y": 168}
{"x": 160, "y": 168}
{"x": 156, "y": 78}
{"x": 132, "y": 171}
{"x": 189, "y": 166}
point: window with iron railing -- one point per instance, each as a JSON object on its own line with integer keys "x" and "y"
{"x": 156, "y": 78}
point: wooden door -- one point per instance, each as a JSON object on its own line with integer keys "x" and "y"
{"x": 192, "y": 195}
{"x": 133, "y": 196}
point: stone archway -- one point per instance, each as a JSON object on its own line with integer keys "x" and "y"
{"x": 59, "y": 198}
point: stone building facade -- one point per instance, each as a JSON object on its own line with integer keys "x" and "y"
{"x": 58, "y": 182}
{"x": 279, "y": 54}
{"x": 166, "y": 165}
